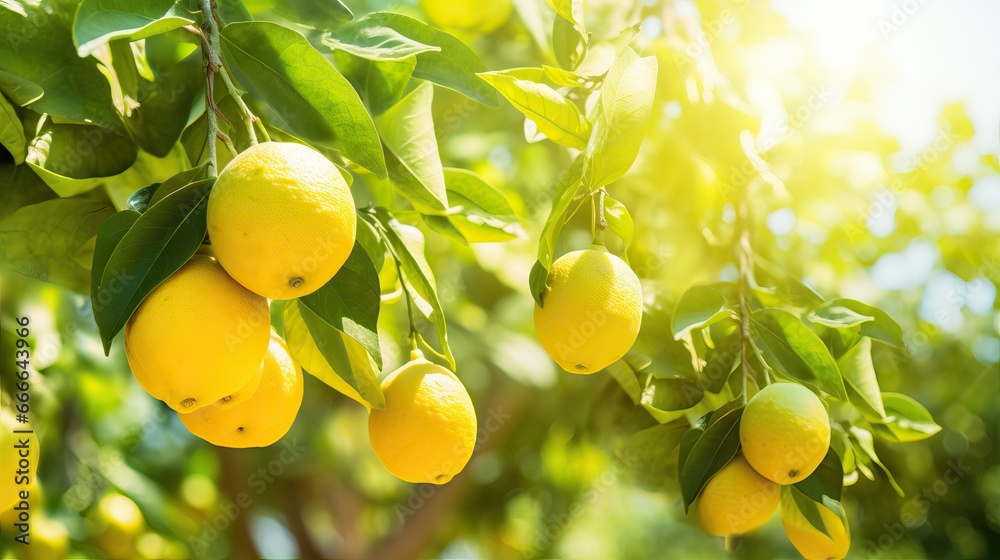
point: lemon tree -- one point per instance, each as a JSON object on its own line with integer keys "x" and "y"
{"x": 373, "y": 231}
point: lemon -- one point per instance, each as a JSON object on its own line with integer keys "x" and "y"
{"x": 244, "y": 392}
{"x": 592, "y": 310}
{"x": 427, "y": 431}
{"x": 49, "y": 539}
{"x": 468, "y": 15}
{"x": 281, "y": 219}
{"x": 115, "y": 523}
{"x": 736, "y": 500}
{"x": 198, "y": 337}
{"x": 18, "y": 461}
{"x": 812, "y": 543}
{"x": 785, "y": 432}
{"x": 263, "y": 418}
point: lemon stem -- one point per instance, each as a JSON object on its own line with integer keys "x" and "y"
{"x": 598, "y": 222}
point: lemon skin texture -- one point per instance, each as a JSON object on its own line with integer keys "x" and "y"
{"x": 785, "y": 432}
{"x": 281, "y": 219}
{"x": 736, "y": 500}
{"x": 11, "y": 461}
{"x": 263, "y": 418}
{"x": 811, "y": 543}
{"x": 592, "y": 310}
{"x": 427, "y": 431}
{"x": 198, "y": 337}
{"x": 468, "y": 15}
{"x": 244, "y": 392}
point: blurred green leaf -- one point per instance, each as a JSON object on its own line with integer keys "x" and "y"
{"x": 864, "y": 443}
{"x": 623, "y": 373}
{"x": 304, "y": 89}
{"x": 100, "y": 21}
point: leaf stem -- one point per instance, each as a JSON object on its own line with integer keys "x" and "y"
{"x": 210, "y": 57}
{"x": 598, "y": 222}
{"x": 414, "y": 335}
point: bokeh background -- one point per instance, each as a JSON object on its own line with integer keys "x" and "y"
{"x": 879, "y": 122}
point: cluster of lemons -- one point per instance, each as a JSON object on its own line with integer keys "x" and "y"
{"x": 784, "y": 436}
{"x": 281, "y": 222}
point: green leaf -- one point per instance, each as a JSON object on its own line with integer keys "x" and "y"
{"x": 165, "y": 103}
{"x": 881, "y": 328}
{"x": 626, "y": 104}
{"x": 793, "y": 499}
{"x": 407, "y": 245}
{"x": 109, "y": 235}
{"x": 178, "y": 181}
{"x": 40, "y": 240}
{"x": 37, "y": 53}
{"x": 100, "y": 21}
{"x": 407, "y": 129}
{"x": 310, "y": 13}
{"x": 305, "y": 90}
{"x": 478, "y": 211}
{"x": 826, "y": 480}
{"x": 699, "y": 306}
{"x": 11, "y": 131}
{"x": 838, "y": 317}
{"x": 859, "y": 377}
{"x": 369, "y": 240}
{"x": 905, "y": 420}
{"x": 344, "y": 364}
{"x": 20, "y": 91}
{"x": 62, "y": 154}
{"x": 619, "y": 220}
{"x": 454, "y": 66}
{"x": 569, "y": 42}
{"x": 371, "y": 41}
{"x": 671, "y": 394}
{"x": 139, "y": 201}
{"x": 721, "y": 361}
{"x": 565, "y": 191}
{"x": 350, "y": 301}
{"x": 713, "y": 450}
{"x": 22, "y": 188}
{"x": 864, "y": 444}
{"x": 796, "y": 352}
{"x": 158, "y": 244}
{"x": 626, "y": 378}
{"x": 380, "y": 83}
{"x": 556, "y": 117}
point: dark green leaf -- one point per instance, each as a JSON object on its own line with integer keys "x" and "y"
{"x": 671, "y": 394}
{"x": 349, "y": 302}
{"x": 140, "y": 199}
{"x": 826, "y": 480}
{"x": 11, "y": 131}
{"x": 306, "y": 92}
{"x": 22, "y": 188}
{"x": 713, "y": 450}
{"x": 165, "y": 103}
{"x": 796, "y": 352}
{"x": 157, "y": 245}
{"x": 108, "y": 237}
{"x": 40, "y": 240}
{"x": 62, "y": 153}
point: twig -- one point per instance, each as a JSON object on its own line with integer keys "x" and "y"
{"x": 209, "y": 54}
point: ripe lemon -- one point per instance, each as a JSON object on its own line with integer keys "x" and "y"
{"x": 427, "y": 431}
{"x": 736, "y": 500}
{"x": 198, "y": 337}
{"x": 263, "y": 418}
{"x": 468, "y": 15}
{"x": 785, "y": 432}
{"x": 281, "y": 219}
{"x": 592, "y": 310}
{"x": 18, "y": 461}
{"x": 244, "y": 392}
{"x": 812, "y": 543}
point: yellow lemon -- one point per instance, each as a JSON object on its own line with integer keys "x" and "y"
{"x": 468, "y": 15}
{"x": 49, "y": 539}
{"x": 263, "y": 418}
{"x": 281, "y": 219}
{"x": 198, "y": 337}
{"x": 592, "y": 310}
{"x": 427, "y": 431}
{"x": 785, "y": 432}
{"x": 812, "y": 543}
{"x": 115, "y": 523}
{"x": 736, "y": 500}
{"x": 244, "y": 392}
{"x": 18, "y": 461}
